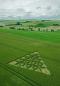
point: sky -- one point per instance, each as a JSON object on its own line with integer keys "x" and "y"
{"x": 47, "y": 9}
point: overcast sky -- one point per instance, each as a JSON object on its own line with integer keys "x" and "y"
{"x": 30, "y": 8}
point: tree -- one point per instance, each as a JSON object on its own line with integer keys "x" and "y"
{"x": 19, "y": 28}
{"x": 18, "y": 23}
{"x": 56, "y": 25}
{"x": 12, "y": 27}
{"x": 52, "y": 30}
{"x": 1, "y": 26}
{"x": 38, "y": 29}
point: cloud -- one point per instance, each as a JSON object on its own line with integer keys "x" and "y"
{"x": 29, "y": 8}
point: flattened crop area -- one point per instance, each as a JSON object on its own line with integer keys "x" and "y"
{"x": 31, "y": 62}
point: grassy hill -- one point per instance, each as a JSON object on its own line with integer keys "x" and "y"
{"x": 15, "y": 44}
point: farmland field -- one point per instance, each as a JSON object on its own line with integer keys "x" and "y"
{"x": 15, "y": 44}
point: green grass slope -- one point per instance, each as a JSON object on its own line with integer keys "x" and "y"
{"x": 15, "y": 44}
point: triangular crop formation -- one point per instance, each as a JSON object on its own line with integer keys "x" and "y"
{"x": 31, "y": 62}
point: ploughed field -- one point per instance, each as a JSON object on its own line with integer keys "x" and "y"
{"x": 29, "y": 58}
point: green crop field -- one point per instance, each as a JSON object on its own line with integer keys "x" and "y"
{"x": 15, "y": 44}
